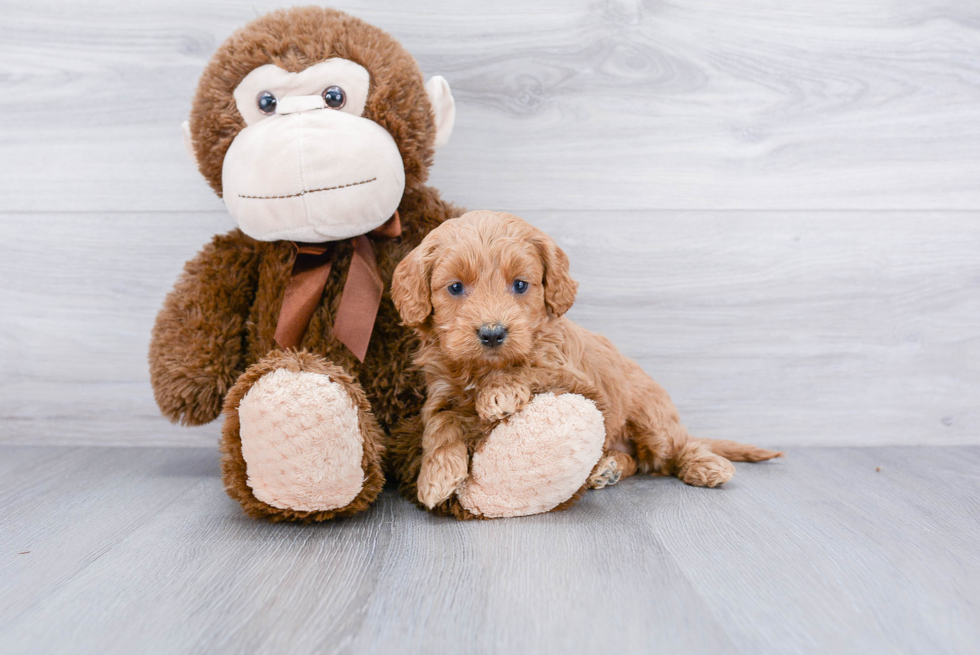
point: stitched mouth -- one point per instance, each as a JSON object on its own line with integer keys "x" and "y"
{"x": 303, "y": 193}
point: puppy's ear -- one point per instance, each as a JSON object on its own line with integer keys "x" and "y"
{"x": 559, "y": 287}
{"x": 410, "y": 285}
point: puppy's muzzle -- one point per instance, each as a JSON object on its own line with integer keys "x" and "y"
{"x": 492, "y": 336}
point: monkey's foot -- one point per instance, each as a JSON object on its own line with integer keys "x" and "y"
{"x": 537, "y": 460}
{"x": 300, "y": 442}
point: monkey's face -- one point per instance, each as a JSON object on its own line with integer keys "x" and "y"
{"x": 309, "y": 166}
{"x": 312, "y": 125}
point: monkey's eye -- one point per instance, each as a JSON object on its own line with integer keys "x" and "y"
{"x": 520, "y": 286}
{"x": 335, "y": 97}
{"x": 266, "y": 102}
{"x": 456, "y": 289}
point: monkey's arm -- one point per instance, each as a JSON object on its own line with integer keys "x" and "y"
{"x": 196, "y": 350}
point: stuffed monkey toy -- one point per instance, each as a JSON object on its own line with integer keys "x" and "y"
{"x": 318, "y": 131}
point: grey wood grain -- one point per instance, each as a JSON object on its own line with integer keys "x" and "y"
{"x": 562, "y": 104}
{"x": 779, "y": 328}
{"x": 870, "y": 550}
{"x": 78, "y": 503}
{"x": 79, "y": 298}
{"x": 819, "y": 552}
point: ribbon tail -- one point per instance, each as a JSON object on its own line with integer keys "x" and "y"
{"x": 302, "y": 297}
{"x": 360, "y": 300}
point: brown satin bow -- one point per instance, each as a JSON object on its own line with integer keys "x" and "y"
{"x": 359, "y": 301}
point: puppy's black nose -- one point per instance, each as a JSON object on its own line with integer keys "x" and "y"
{"x": 492, "y": 335}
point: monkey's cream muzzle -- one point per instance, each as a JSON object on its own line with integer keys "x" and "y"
{"x": 303, "y": 171}
{"x": 312, "y": 174}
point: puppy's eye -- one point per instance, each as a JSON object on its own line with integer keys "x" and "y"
{"x": 520, "y": 286}
{"x": 456, "y": 288}
{"x": 335, "y": 97}
{"x": 266, "y": 102}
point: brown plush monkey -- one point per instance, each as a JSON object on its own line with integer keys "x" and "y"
{"x": 318, "y": 132}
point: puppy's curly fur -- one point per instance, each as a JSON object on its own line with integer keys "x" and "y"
{"x": 496, "y": 273}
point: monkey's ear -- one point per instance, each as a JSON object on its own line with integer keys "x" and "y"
{"x": 444, "y": 107}
{"x": 559, "y": 287}
{"x": 185, "y": 129}
{"x": 410, "y": 286}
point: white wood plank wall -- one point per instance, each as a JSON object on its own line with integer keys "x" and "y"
{"x": 773, "y": 205}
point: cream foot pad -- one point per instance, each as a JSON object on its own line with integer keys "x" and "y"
{"x": 536, "y": 459}
{"x": 301, "y": 442}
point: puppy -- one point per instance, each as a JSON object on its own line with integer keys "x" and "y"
{"x": 486, "y": 293}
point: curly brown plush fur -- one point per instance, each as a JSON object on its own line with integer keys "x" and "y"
{"x": 220, "y": 319}
{"x": 294, "y": 39}
{"x": 233, "y": 463}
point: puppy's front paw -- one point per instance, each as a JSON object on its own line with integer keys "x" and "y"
{"x": 442, "y": 472}
{"x": 498, "y": 402}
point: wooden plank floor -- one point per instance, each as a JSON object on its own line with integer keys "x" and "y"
{"x": 139, "y": 550}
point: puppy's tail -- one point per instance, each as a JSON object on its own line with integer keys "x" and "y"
{"x": 739, "y": 452}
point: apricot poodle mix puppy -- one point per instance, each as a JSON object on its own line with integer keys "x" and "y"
{"x": 487, "y": 292}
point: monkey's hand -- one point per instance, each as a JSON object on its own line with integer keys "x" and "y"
{"x": 196, "y": 347}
